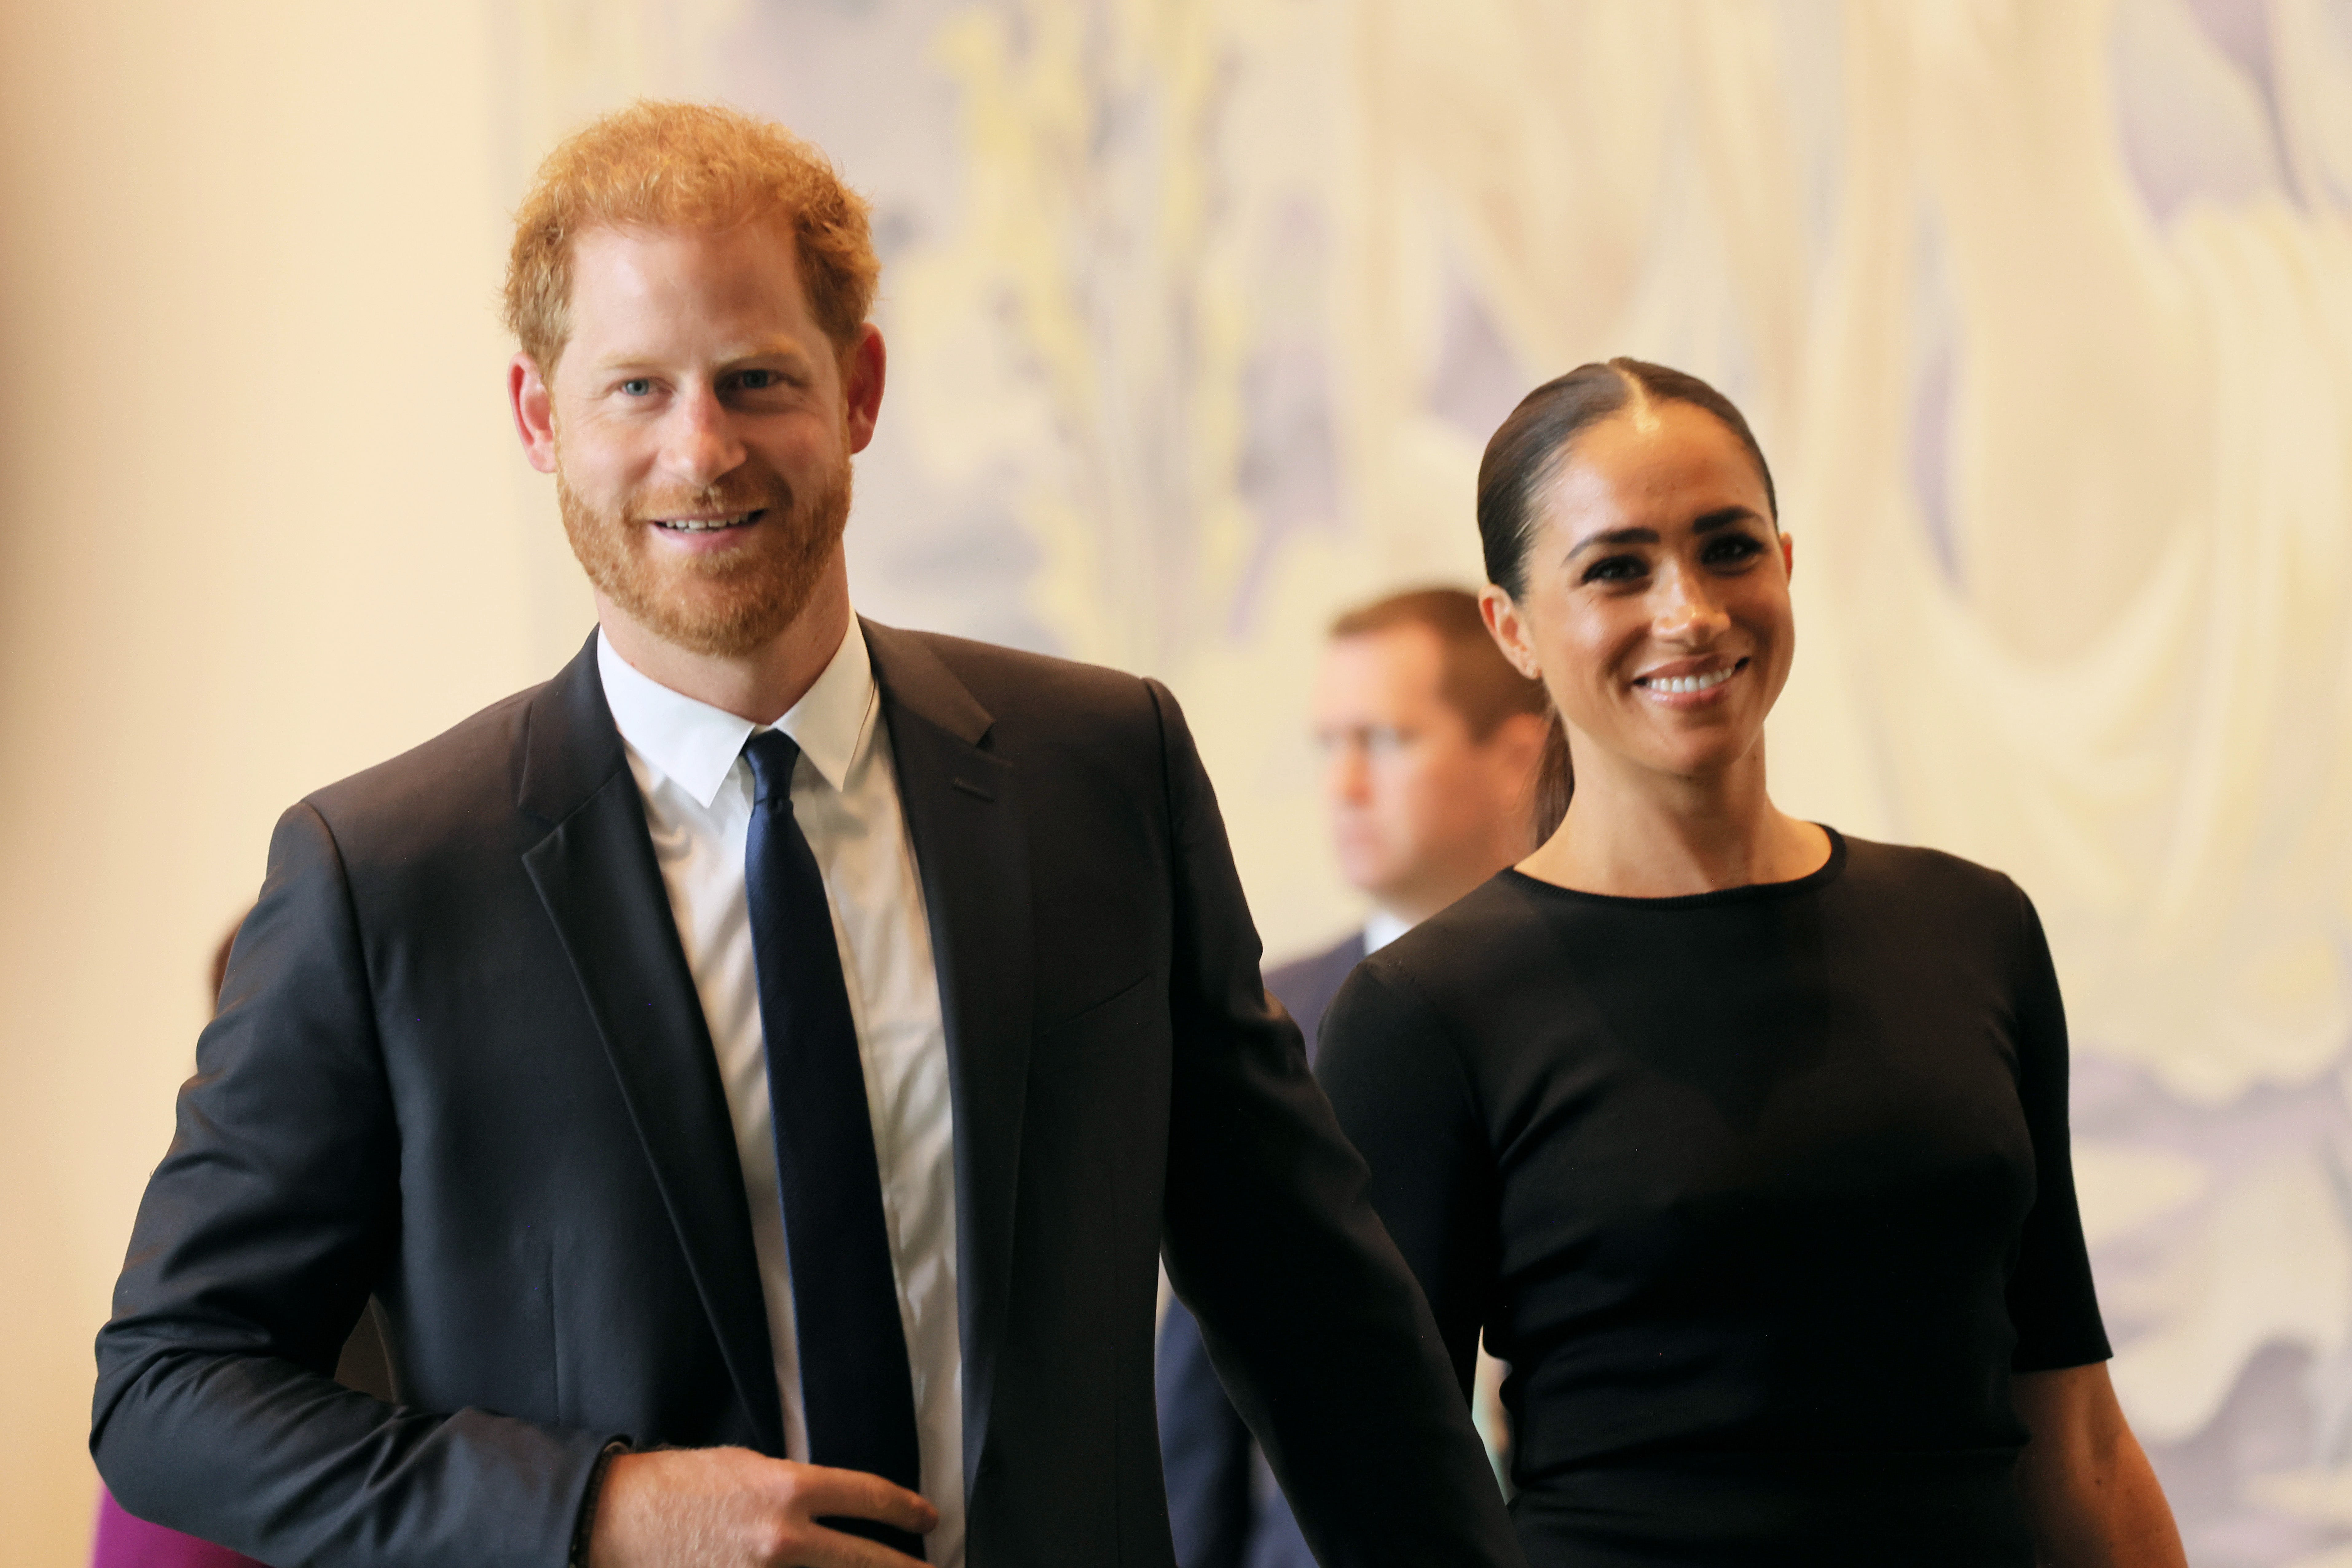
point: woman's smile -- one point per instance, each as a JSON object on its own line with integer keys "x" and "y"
{"x": 1688, "y": 683}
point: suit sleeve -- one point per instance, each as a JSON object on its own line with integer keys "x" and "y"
{"x": 1311, "y": 1316}
{"x": 216, "y": 1412}
{"x": 2052, "y": 1303}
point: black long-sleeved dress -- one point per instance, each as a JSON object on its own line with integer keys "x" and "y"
{"x": 1763, "y": 1194}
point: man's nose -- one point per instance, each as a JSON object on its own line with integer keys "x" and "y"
{"x": 700, "y": 446}
{"x": 1347, "y": 773}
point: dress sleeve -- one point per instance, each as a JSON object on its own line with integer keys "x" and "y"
{"x": 1405, "y": 1101}
{"x": 2052, "y": 1302}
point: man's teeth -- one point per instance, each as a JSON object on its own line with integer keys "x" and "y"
{"x": 704, "y": 524}
{"x": 1689, "y": 682}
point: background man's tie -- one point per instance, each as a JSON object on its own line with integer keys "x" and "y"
{"x": 854, "y": 1382}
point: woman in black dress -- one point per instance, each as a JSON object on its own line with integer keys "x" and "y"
{"x": 1744, "y": 1143}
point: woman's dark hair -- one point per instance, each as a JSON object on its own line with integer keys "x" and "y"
{"x": 1522, "y": 459}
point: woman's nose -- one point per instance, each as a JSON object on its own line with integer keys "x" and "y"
{"x": 1688, "y": 610}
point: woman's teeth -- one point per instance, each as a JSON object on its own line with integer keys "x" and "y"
{"x": 1679, "y": 683}
{"x": 704, "y": 524}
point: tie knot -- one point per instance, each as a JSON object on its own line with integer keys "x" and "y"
{"x": 771, "y": 754}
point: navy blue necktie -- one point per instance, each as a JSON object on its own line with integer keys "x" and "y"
{"x": 854, "y": 1383}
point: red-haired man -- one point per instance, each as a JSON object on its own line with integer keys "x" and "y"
{"x": 756, "y": 1072}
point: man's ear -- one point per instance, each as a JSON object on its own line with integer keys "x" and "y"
{"x": 862, "y": 373}
{"x": 533, "y": 408}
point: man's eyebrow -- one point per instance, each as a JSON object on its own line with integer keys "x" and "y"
{"x": 610, "y": 362}
{"x": 773, "y": 348}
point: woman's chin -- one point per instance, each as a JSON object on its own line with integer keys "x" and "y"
{"x": 1701, "y": 759}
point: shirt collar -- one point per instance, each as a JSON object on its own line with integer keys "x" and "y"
{"x": 694, "y": 746}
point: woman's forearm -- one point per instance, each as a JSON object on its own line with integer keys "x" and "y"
{"x": 2091, "y": 1497}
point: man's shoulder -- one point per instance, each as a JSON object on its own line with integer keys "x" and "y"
{"x": 1009, "y": 681}
{"x": 458, "y": 787}
{"x": 1077, "y": 720}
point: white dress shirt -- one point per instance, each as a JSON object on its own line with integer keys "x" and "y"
{"x": 1381, "y": 928}
{"x": 687, "y": 759}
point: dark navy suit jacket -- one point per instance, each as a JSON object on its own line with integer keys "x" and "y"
{"x": 1222, "y": 1499}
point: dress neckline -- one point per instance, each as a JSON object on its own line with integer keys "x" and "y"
{"x": 1818, "y": 876}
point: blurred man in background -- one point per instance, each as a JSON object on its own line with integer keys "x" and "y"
{"x": 1430, "y": 742}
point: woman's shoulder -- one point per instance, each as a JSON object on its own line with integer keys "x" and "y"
{"x": 1424, "y": 1009}
{"x": 1927, "y": 894}
{"x": 1876, "y": 871}
{"x": 1490, "y": 937}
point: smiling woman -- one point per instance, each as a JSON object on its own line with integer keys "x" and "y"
{"x": 1526, "y": 458}
{"x": 1647, "y": 583}
{"x": 1743, "y": 1143}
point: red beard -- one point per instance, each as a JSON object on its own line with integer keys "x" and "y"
{"x": 724, "y": 604}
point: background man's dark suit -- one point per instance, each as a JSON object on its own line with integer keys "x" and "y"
{"x": 1228, "y": 1510}
{"x": 460, "y": 1065}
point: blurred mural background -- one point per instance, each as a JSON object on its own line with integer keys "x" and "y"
{"x": 1201, "y": 311}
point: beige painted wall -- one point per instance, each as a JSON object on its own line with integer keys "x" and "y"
{"x": 261, "y": 524}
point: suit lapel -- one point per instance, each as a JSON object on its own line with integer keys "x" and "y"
{"x": 597, "y": 877}
{"x": 963, "y": 815}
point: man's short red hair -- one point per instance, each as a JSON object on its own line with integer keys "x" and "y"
{"x": 656, "y": 165}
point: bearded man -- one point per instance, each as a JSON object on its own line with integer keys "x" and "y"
{"x": 755, "y": 1074}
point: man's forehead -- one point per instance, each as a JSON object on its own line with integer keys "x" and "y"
{"x": 745, "y": 263}
{"x": 635, "y": 290}
{"x": 1399, "y": 643}
{"x": 1400, "y": 661}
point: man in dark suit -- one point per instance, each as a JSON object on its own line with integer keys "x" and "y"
{"x": 755, "y": 1073}
{"x": 1430, "y": 741}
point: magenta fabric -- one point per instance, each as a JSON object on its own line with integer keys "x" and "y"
{"x": 125, "y": 1542}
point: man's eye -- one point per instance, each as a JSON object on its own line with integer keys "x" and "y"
{"x": 1384, "y": 740}
{"x": 636, "y": 386}
{"x": 757, "y": 380}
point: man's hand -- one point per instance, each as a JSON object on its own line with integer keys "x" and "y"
{"x": 730, "y": 1508}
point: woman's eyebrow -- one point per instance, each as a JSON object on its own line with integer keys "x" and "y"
{"x": 1723, "y": 516}
{"x": 1612, "y": 536}
{"x": 1705, "y": 523}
